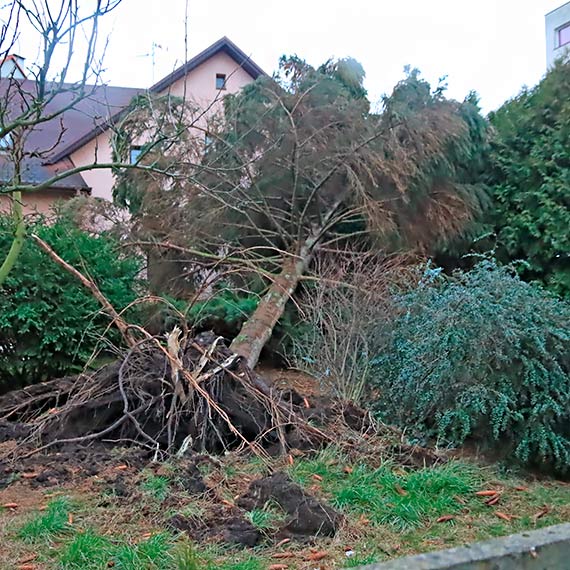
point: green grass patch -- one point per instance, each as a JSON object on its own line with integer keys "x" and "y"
{"x": 48, "y": 525}
{"x": 361, "y": 561}
{"x": 156, "y": 553}
{"x": 402, "y": 498}
{"x": 156, "y": 486}
{"x": 87, "y": 550}
{"x": 186, "y": 558}
{"x": 250, "y": 563}
{"x": 90, "y": 551}
{"x": 217, "y": 556}
{"x": 270, "y": 517}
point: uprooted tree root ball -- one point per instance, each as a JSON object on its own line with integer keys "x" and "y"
{"x": 197, "y": 396}
{"x": 188, "y": 404}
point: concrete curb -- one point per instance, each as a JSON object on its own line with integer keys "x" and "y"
{"x": 544, "y": 549}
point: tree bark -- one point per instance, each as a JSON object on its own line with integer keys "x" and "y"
{"x": 257, "y": 330}
{"x": 19, "y": 237}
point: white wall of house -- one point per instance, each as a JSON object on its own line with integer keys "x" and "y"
{"x": 557, "y": 34}
{"x": 13, "y": 66}
{"x": 198, "y": 86}
{"x": 97, "y": 150}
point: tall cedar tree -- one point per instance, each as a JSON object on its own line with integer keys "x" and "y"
{"x": 530, "y": 180}
{"x": 301, "y": 163}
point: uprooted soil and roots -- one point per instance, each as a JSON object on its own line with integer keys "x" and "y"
{"x": 188, "y": 407}
{"x": 200, "y": 397}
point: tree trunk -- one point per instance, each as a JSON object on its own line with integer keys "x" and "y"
{"x": 19, "y": 237}
{"x": 257, "y": 330}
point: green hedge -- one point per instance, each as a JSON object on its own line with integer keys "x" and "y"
{"x": 529, "y": 175}
{"x": 49, "y": 323}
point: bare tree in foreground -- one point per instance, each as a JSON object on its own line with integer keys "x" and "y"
{"x": 32, "y": 110}
{"x": 344, "y": 314}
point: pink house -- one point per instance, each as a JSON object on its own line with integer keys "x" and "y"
{"x": 85, "y": 137}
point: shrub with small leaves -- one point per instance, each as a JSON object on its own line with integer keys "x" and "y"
{"x": 481, "y": 355}
{"x": 224, "y": 310}
{"x": 49, "y": 322}
{"x": 529, "y": 177}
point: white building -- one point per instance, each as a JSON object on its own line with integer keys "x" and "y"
{"x": 557, "y": 34}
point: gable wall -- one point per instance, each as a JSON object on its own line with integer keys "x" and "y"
{"x": 101, "y": 180}
{"x": 198, "y": 86}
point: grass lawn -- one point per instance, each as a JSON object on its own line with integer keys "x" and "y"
{"x": 389, "y": 511}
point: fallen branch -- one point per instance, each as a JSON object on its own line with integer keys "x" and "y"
{"x": 117, "y": 320}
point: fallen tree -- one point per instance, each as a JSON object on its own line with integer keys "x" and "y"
{"x": 299, "y": 164}
{"x": 186, "y": 393}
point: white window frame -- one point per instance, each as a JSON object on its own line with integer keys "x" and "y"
{"x": 134, "y": 151}
{"x": 6, "y": 143}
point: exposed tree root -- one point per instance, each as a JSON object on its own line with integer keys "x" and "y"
{"x": 190, "y": 394}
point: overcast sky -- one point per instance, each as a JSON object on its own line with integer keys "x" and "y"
{"x": 492, "y": 46}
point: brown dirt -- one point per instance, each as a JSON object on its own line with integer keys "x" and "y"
{"x": 220, "y": 524}
{"x": 307, "y": 516}
{"x": 301, "y": 382}
{"x": 71, "y": 464}
{"x": 24, "y": 496}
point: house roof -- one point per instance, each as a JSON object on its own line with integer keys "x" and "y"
{"x": 89, "y": 117}
{"x": 223, "y": 45}
{"x": 15, "y": 59}
{"x": 34, "y": 171}
{"x": 101, "y": 103}
{"x": 84, "y": 120}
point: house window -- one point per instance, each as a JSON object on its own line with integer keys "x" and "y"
{"x": 564, "y": 35}
{"x": 6, "y": 142}
{"x": 220, "y": 80}
{"x": 134, "y": 154}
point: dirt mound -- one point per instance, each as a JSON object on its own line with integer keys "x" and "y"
{"x": 220, "y": 524}
{"x": 307, "y": 516}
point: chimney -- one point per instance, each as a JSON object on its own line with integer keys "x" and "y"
{"x": 13, "y": 66}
